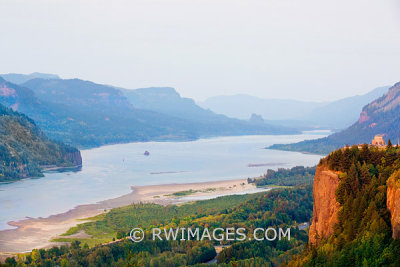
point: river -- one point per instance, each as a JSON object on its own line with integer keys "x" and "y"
{"x": 109, "y": 171}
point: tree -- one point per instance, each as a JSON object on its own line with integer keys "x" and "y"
{"x": 64, "y": 263}
{"x": 346, "y": 160}
{"x": 35, "y": 256}
{"x": 11, "y": 262}
{"x": 120, "y": 234}
{"x": 365, "y": 153}
{"x": 365, "y": 176}
{"x": 76, "y": 244}
{"x": 389, "y": 144}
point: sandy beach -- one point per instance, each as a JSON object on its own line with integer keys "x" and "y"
{"x": 37, "y": 232}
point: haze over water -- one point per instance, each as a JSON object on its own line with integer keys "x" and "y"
{"x": 110, "y": 171}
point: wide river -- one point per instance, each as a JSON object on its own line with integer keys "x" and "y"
{"x": 110, "y": 171}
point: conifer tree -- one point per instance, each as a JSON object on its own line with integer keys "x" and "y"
{"x": 389, "y": 144}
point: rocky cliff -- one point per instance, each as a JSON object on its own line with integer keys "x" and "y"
{"x": 74, "y": 157}
{"x": 393, "y": 202}
{"x": 356, "y": 209}
{"x": 325, "y": 205}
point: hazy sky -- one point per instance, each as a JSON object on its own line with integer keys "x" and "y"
{"x": 299, "y": 49}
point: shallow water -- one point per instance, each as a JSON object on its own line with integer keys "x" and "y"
{"x": 109, "y": 171}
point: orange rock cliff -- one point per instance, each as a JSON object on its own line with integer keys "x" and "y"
{"x": 325, "y": 205}
{"x": 393, "y": 202}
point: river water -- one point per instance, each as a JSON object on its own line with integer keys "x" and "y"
{"x": 109, "y": 171}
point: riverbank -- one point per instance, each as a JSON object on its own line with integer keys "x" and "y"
{"x": 37, "y": 232}
{"x": 47, "y": 169}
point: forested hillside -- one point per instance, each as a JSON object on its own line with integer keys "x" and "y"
{"x": 18, "y": 78}
{"x": 24, "y": 149}
{"x": 285, "y": 177}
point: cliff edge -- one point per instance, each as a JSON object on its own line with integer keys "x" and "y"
{"x": 393, "y": 202}
{"x": 325, "y": 205}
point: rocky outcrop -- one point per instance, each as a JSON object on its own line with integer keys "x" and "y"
{"x": 393, "y": 203}
{"x": 388, "y": 102}
{"x": 257, "y": 119}
{"x": 363, "y": 117}
{"x": 325, "y": 205}
{"x": 74, "y": 158}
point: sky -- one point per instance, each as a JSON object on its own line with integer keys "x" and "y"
{"x": 307, "y": 50}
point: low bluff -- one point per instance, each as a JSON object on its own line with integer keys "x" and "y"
{"x": 325, "y": 205}
{"x": 74, "y": 157}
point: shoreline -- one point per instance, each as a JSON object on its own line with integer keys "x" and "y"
{"x": 37, "y": 232}
{"x": 45, "y": 169}
{"x": 51, "y": 168}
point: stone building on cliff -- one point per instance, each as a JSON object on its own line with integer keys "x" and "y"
{"x": 378, "y": 140}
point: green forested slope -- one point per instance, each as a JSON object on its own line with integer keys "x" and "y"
{"x": 24, "y": 149}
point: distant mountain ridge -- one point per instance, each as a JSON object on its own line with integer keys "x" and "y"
{"x": 166, "y": 100}
{"x": 86, "y": 114}
{"x": 269, "y": 109}
{"x": 21, "y": 78}
{"x": 75, "y": 92}
{"x": 338, "y": 114}
{"x": 25, "y": 150}
{"x": 342, "y": 113}
{"x": 382, "y": 116}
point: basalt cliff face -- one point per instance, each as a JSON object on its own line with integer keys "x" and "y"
{"x": 393, "y": 203}
{"x": 74, "y": 157}
{"x": 325, "y": 205}
{"x": 356, "y": 220}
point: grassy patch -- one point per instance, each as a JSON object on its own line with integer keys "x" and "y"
{"x": 191, "y": 192}
{"x": 92, "y": 242}
{"x": 119, "y": 221}
{"x": 275, "y": 186}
